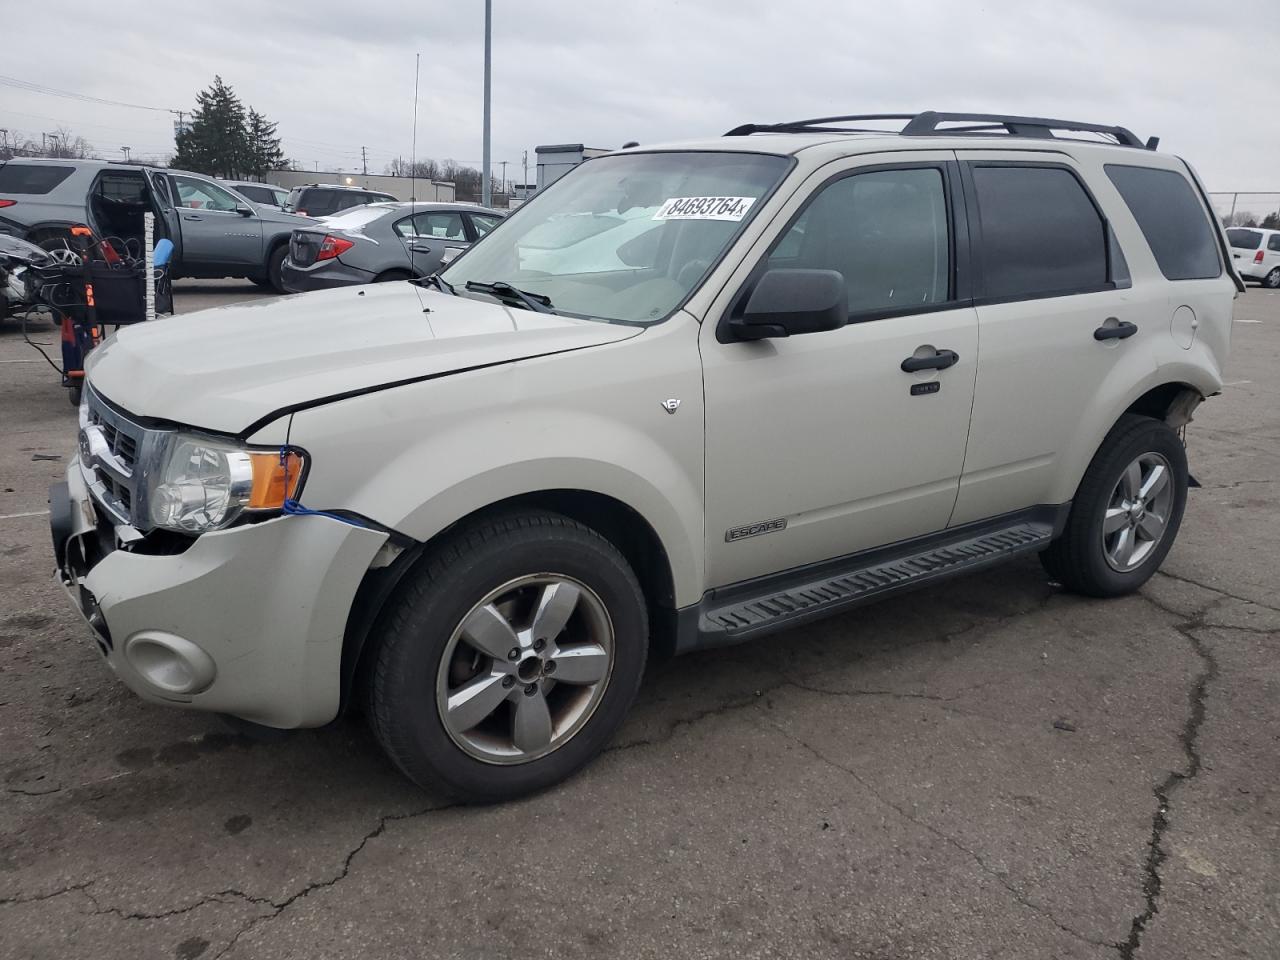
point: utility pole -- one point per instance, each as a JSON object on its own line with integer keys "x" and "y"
{"x": 364, "y": 161}
{"x": 504, "y": 177}
{"x": 524, "y": 158}
{"x": 126, "y": 154}
{"x": 485, "y": 191}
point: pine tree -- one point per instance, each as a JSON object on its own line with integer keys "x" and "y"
{"x": 217, "y": 141}
{"x": 264, "y": 146}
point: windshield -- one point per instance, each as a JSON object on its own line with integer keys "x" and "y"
{"x": 624, "y": 237}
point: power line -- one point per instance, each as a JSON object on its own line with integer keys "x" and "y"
{"x": 69, "y": 95}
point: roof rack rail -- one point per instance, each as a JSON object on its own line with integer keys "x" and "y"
{"x": 926, "y": 124}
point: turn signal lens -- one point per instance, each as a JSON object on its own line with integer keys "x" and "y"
{"x": 275, "y": 479}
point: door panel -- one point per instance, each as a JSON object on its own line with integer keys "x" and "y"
{"x": 213, "y": 233}
{"x": 1039, "y": 231}
{"x": 822, "y": 430}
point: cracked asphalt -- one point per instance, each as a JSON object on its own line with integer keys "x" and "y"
{"x": 990, "y": 768}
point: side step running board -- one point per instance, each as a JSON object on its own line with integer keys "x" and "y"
{"x": 738, "y": 613}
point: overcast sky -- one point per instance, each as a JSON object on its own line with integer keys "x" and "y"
{"x": 338, "y": 76}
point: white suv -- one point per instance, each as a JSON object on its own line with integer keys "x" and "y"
{"x": 839, "y": 365}
{"x": 1256, "y": 254}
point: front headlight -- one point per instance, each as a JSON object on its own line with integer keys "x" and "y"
{"x": 207, "y": 484}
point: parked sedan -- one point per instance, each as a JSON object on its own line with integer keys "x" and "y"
{"x": 382, "y": 241}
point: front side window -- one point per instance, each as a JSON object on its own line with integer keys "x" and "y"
{"x": 202, "y": 195}
{"x": 1172, "y": 219}
{"x": 885, "y": 231}
{"x": 1273, "y": 242}
{"x": 625, "y": 237}
{"x": 1041, "y": 234}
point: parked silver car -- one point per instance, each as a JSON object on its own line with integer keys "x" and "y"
{"x": 216, "y": 232}
{"x": 382, "y": 241}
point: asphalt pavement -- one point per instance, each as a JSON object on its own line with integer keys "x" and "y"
{"x": 987, "y": 769}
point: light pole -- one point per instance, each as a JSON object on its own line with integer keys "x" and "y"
{"x": 126, "y": 154}
{"x": 485, "y": 194}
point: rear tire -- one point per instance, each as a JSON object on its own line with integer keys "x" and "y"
{"x": 1126, "y": 512}
{"x": 263, "y": 283}
{"x": 274, "y": 263}
{"x": 565, "y": 623}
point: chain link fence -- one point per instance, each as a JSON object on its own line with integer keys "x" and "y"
{"x": 1247, "y": 209}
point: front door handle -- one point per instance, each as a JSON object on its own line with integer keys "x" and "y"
{"x": 1118, "y": 330}
{"x": 191, "y": 216}
{"x": 940, "y": 360}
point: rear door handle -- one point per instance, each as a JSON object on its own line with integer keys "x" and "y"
{"x": 939, "y": 361}
{"x": 1119, "y": 330}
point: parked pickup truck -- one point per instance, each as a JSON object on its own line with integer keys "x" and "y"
{"x": 829, "y": 366}
{"x": 215, "y": 231}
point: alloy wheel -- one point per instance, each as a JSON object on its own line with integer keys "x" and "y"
{"x": 525, "y": 669}
{"x": 1137, "y": 513}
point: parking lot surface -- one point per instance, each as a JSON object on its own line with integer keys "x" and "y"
{"x": 990, "y": 768}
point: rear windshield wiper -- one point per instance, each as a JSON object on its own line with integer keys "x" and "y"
{"x": 504, "y": 290}
{"x": 434, "y": 280}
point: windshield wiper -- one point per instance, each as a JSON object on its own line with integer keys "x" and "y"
{"x": 434, "y": 280}
{"x": 504, "y": 290}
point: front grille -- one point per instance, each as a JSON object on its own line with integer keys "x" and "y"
{"x": 111, "y": 446}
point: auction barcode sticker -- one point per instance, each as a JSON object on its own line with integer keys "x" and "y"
{"x": 705, "y": 208}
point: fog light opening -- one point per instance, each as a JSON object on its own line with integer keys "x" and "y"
{"x": 170, "y": 663}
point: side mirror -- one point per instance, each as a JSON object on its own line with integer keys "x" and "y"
{"x": 787, "y": 302}
{"x": 243, "y": 210}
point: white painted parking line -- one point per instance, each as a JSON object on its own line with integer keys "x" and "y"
{"x": 1239, "y": 320}
{"x": 37, "y": 360}
{"x": 16, "y": 516}
{"x": 1236, "y": 383}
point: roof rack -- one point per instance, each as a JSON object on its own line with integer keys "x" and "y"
{"x": 926, "y": 125}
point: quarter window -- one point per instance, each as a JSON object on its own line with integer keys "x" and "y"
{"x": 483, "y": 224}
{"x": 1172, "y": 219}
{"x": 31, "y": 177}
{"x": 1041, "y": 234}
{"x": 884, "y": 231}
{"x": 1244, "y": 239}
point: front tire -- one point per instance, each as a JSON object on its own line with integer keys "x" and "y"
{"x": 1272, "y": 280}
{"x": 509, "y": 658}
{"x": 1126, "y": 513}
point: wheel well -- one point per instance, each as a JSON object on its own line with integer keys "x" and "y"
{"x": 1172, "y": 402}
{"x": 397, "y": 273}
{"x": 614, "y": 520}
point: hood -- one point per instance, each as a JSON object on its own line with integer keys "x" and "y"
{"x": 227, "y": 368}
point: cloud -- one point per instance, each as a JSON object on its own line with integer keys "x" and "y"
{"x": 338, "y": 76}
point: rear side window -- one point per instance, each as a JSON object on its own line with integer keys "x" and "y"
{"x": 31, "y": 177}
{"x": 319, "y": 203}
{"x": 380, "y": 198}
{"x": 1041, "y": 234}
{"x": 1244, "y": 239}
{"x": 256, "y": 194}
{"x": 1172, "y": 219}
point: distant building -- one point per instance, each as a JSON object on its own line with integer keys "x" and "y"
{"x": 556, "y": 160}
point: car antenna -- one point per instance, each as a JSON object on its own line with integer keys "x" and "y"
{"x": 413, "y": 182}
